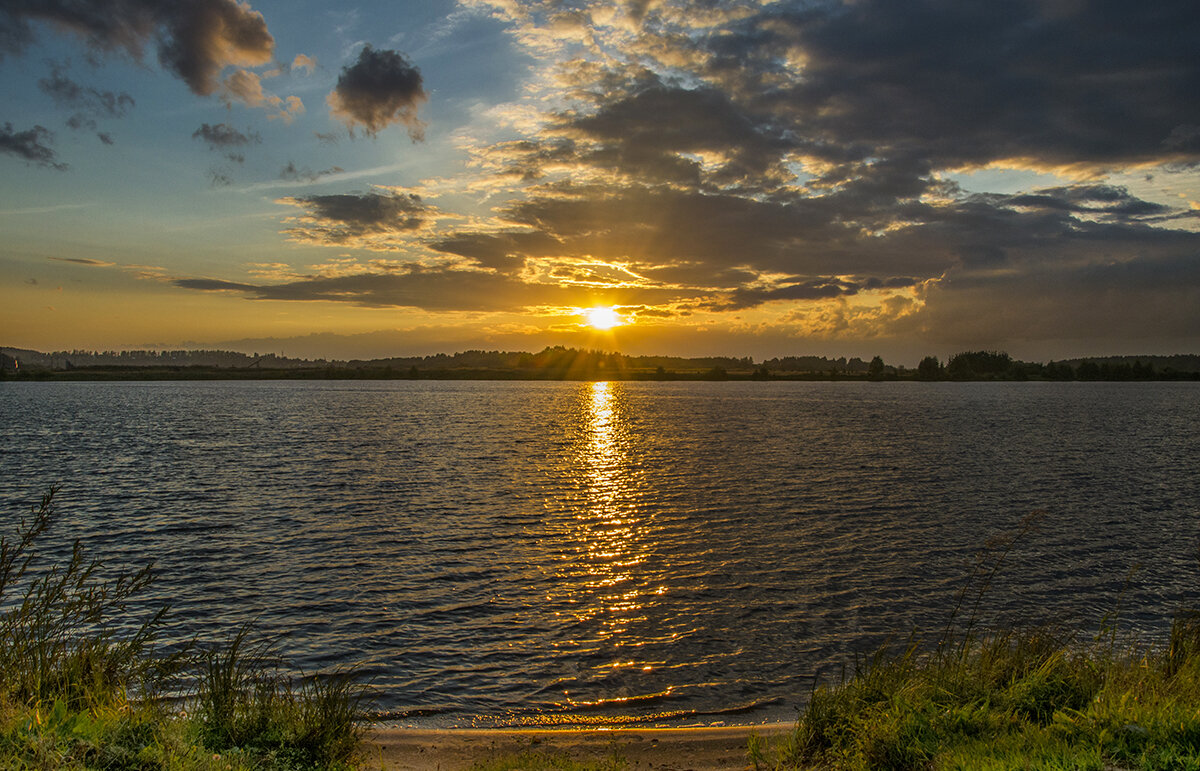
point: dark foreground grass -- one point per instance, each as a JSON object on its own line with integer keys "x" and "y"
{"x": 1033, "y": 699}
{"x": 83, "y": 687}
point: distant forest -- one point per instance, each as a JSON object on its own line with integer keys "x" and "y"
{"x": 559, "y": 363}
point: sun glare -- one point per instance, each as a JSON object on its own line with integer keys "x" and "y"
{"x": 603, "y": 318}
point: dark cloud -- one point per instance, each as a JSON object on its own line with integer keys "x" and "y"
{"x": 715, "y": 232}
{"x": 88, "y": 101}
{"x": 417, "y": 287}
{"x": 525, "y": 160}
{"x": 31, "y": 145}
{"x": 343, "y": 219}
{"x": 1130, "y": 303}
{"x": 970, "y": 82}
{"x": 644, "y": 132}
{"x": 727, "y": 251}
{"x": 90, "y": 104}
{"x": 504, "y": 251}
{"x": 1113, "y": 202}
{"x": 222, "y": 136}
{"x": 812, "y": 289}
{"x": 379, "y": 89}
{"x": 293, "y": 173}
{"x": 83, "y": 261}
{"x": 196, "y": 39}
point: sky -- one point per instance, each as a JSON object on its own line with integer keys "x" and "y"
{"x": 748, "y": 178}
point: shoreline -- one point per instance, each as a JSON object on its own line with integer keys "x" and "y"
{"x": 669, "y": 749}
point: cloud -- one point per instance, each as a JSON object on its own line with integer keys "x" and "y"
{"x": 975, "y": 82}
{"x": 1113, "y": 203}
{"x": 84, "y": 261}
{"x": 89, "y": 103}
{"x": 415, "y": 287}
{"x": 31, "y": 145}
{"x": 379, "y": 89}
{"x": 648, "y": 131}
{"x": 1134, "y": 304}
{"x": 246, "y": 87}
{"x": 205, "y": 37}
{"x": 306, "y": 63}
{"x": 730, "y": 252}
{"x": 431, "y": 289}
{"x": 812, "y": 289}
{"x": 243, "y": 86}
{"x": 356, "y": 218}
{"x": 222, "y": 136}
{"x": 293, "y": 173}
{"x": 196, "y": 40}
{"x": 500, "y": 251}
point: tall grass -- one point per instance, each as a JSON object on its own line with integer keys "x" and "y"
{"x": 56, "y": 633}
{"x": 1039, "y": 698}
{"x": 81, "y": 685}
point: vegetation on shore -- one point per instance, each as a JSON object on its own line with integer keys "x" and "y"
{"x": 1018, "y": 699}
{"x": 559, "y": 363}
{"x": 82, "y": 687}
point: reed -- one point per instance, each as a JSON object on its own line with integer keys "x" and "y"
{"x": 81, "y": 687}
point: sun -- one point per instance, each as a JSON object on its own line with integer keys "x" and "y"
{"x": 603, "y": 318}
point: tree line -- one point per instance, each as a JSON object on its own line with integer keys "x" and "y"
{"x": 998, "y": 365}
{"x": 562, "y": 363}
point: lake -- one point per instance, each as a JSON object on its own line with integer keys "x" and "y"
{"x": 496, "y": 553}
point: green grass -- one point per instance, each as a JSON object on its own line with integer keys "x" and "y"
{"x": 1027, "y": 699}
{"x": 82, "y": 688}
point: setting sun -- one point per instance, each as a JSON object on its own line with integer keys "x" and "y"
{"x": 603, "y": 318}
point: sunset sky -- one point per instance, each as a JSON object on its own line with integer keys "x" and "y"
{"x": 368, "y": 179}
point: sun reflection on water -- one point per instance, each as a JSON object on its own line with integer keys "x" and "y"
{"x": 608, "y": 526}
{"x": 609, "y": 579}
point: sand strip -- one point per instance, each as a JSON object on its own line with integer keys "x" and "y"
{"x": 668, "y": 749}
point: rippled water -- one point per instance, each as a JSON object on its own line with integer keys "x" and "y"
{"x": 567, "y": 553}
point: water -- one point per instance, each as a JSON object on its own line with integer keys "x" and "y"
{"x": 577, "y": 553}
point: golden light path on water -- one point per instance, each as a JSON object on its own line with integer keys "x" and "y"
{"x": 611, "y": 542}
{"x": 609, "y": 525}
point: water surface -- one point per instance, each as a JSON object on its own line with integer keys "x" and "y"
{"x": 573, "y": 553}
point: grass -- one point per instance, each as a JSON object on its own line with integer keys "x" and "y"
{"x": 1019, "y": 699}
{"x": 81, "y": 687}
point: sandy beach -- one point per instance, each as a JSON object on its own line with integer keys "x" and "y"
{"x": 670, "y": 749}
